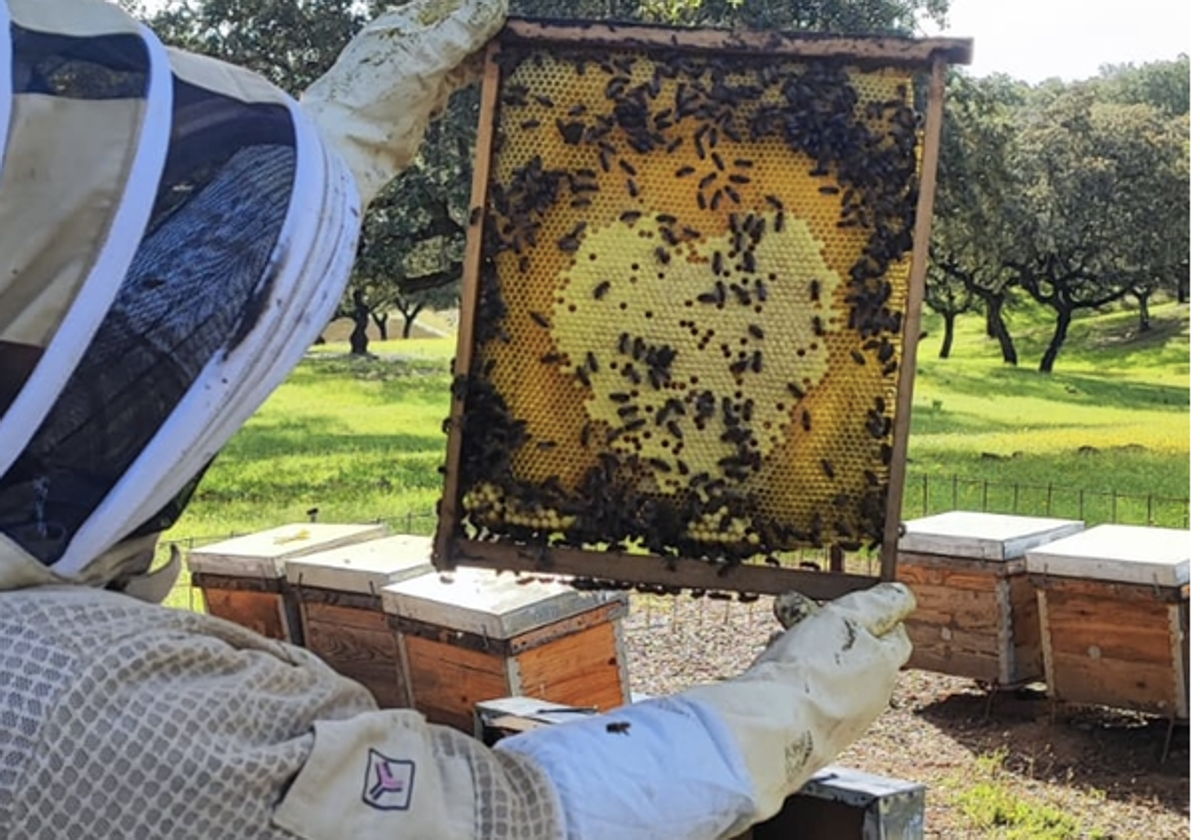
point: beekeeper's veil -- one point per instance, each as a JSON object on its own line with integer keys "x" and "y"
{"x": 174, "y": 233}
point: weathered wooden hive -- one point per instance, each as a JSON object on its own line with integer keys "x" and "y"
{"x": 475, "y": 636}
{"x": 243, "y": 579}
{"x": 977, "y": 613}
{"x": 340, "y": 593}
{"x": 1114, "y": 603}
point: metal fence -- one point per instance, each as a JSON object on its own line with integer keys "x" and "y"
{"x": 653, "y": 616}
{"x": 925, "y": 495}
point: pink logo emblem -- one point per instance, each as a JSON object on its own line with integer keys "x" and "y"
{"x": 388, "y": 783}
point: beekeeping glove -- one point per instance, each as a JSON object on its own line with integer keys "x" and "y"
{"x": 716, "y": 759}
{"x": 375, "y": 103}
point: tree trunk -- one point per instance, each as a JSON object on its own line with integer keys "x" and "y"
{"x": 362, "y": 317}
{"x": 1183, "y": 285}
{"x": 410, "y": 318}
{"x": 998, "y": 330}
{"x": 1143, "y": 299}
{"x": 1056, "y": 341}
{"x": 947, "y": 335}
{"x": 381, "y": 322}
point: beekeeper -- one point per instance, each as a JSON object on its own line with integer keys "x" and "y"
{"x": 174, "y": 232}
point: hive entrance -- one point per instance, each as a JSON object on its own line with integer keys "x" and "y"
{"x": 691, "y": 279}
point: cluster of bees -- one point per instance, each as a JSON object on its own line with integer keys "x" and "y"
{"x": 688, "y": 324}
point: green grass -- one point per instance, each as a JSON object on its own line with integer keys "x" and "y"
{"x": 995, "y": 805}
{"x": 1113, "y": 418}
{"x": 361, "y": 439}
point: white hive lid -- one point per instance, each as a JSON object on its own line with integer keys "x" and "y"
{"x": 1119, "y": 553}
{"x": 365, "y": 567}
{"x": 982, "y": 536}
{"x": 482, "y": 602}
{"x": 263, "y": 554}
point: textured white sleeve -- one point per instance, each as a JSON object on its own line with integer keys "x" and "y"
{"x": 665, "y": 769}
{"x": 375, "y": 103}
{"x": 121, "y": 719}
{"x": 714, "y": 760}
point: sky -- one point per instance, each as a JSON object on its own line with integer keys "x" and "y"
{"x": 1033, "y": 40}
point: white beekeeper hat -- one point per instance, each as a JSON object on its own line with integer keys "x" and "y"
{"x": 174, "y": 233}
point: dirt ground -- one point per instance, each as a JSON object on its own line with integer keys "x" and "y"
{"x": 1102, "y": 767}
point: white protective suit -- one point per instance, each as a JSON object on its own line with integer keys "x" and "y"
{"x": 174, "y": 232}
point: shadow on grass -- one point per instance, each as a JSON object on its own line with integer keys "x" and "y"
{"x": 929, "y": 420}
{"x": 1109, "y": 340}
{"x": 1090, "y": 748}
{"x": 399, "y": 382}
{"x": 327, "y": 437}
{"x": 998, "y": 383}
{"x": 361, "y": 487}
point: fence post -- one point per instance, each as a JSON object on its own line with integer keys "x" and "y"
{"x": 408, "y": 523}
{"x": 1080, "y": 503}
{"x": 1113, "y": 518}
{"x": 985, "y": 491}
{"x": 1049, "y": 497}
{"x": 954, "y": 492}
{"x": 1149, "y": 508}
{"x": 1016, "y": 508}
{"x": 925, "y": 494}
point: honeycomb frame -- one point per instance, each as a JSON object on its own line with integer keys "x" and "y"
{"x": 627, "y": 172}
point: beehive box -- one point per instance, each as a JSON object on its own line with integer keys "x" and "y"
{"x": 691, "y": 296}
{"x": 340, "y": 596}
{"x": 976, "y": 611}
{"x": 1114, "y": 608}
{"x": 242, "y": 579}
{"x": 485, "y": 635}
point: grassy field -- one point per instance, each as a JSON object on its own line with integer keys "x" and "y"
{"x": 1106, "y": 435}
{"x": 1112, "y": 422}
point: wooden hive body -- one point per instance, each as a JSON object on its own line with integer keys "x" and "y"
{"x": 340, "y": 592}
{"x": 484, "y": 636}
{"x": 1114, "y": 608}
{"x": 976, "y": 607}
{"x": 242, "y": 579}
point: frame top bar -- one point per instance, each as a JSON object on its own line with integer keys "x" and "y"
{"x": 892, "y": 50}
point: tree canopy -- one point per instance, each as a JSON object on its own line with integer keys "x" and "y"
{"x": 1073, "y": 196}
{"x": 414, "y": 232}
{"x": 1062, "y": 195}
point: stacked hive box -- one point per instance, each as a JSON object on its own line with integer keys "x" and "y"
{"x": 1113, "y": 603}
{"x": 242, "y": 579}
{"x": 339, "y": 593}
{"x": 484, "y": 636}
{"x": 976, "y": 608}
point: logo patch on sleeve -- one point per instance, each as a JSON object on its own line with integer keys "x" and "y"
{"x": 388, "y": 783}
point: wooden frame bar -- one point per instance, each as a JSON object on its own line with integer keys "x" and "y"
{"x": 894, "y": 51}
{"x": 675, "y": 572}
{"x": 452, "y": 548}
{"x": 449, "y": 507}
{"x": 912, "y": 322}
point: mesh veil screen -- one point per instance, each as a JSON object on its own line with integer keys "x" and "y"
{"x": 196, "y": 285}
{"x": 109, "y": 67}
